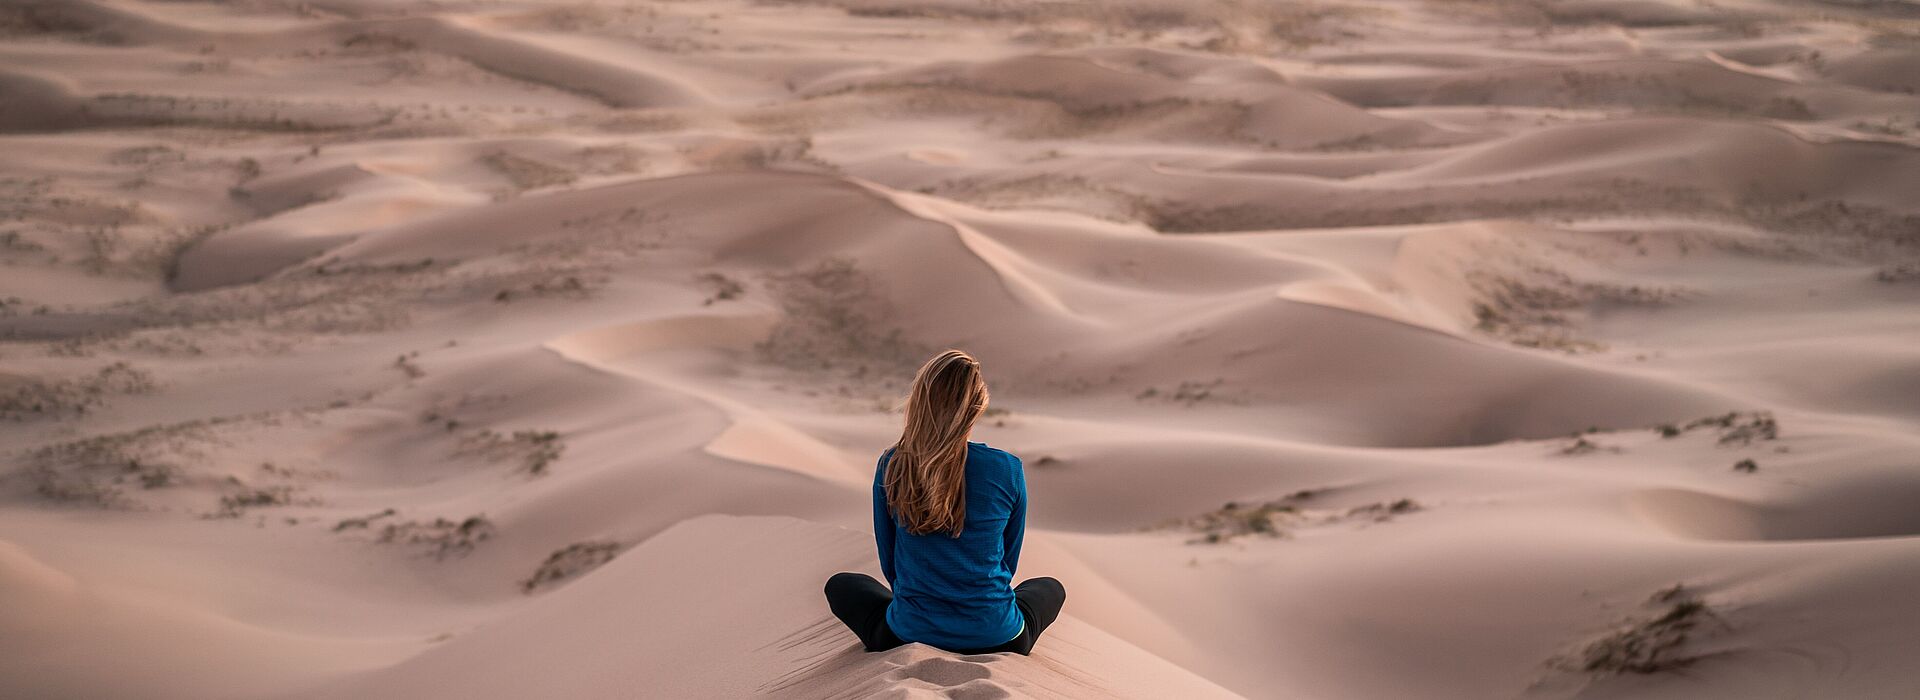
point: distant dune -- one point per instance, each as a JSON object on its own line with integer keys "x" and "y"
{"x": 1407, "y": 349}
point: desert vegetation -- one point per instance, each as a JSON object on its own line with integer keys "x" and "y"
{"x": 569, "y": 562}
{"x": 1656, "y": 642}
{"x": 1278, "y": 518}
{"x": 1192, "y": 391}
{"x": 525, "y": 173}
{"x": 100, "y": 470}
{"x": 1730, "y": 428}
{"x": 236, "y": 503}
{"x": 28, "y": 398}
{"x": 534, "y": 450}
{"x": 723, "y": 288}
{"x": 836, "y": 319}
{"x": 440, "y": 538}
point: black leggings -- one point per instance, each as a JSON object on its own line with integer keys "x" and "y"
{"x": 861, "y": 603}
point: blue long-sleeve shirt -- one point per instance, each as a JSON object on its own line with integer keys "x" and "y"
{"x": 957, "y": 593}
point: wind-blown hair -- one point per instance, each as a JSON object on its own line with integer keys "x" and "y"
{"x": 926, "y": 478}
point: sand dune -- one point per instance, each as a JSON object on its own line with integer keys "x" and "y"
{"x": 1106, "y": 92}
{"x": 1625, "y": 84}
{"x": 358, "y": 349}
{"x": 58, "y": 623}
{"x": 788, "y": 649}
{"x": 1887, "y": 70}
{"x": 613, "y": 84}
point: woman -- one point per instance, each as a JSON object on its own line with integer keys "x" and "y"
{"x": 948, "y": 516}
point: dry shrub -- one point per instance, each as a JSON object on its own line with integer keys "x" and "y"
{"x": 1273, "y": 518}
{"x": 534, "y": 449}
{"x": 30, "y": 398}
{"x": 836, "y": 320}
{"x": 571, "y": 561}
{"x": 442, "y": 538}
{"x": 1651, "y": 644}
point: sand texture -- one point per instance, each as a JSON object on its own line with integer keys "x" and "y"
{"x": 1402, "y": 349}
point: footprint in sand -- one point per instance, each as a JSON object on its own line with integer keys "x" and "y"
{"x": 960, "y": 679}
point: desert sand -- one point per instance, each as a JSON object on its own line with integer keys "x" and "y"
{"x": 525, "y": 349}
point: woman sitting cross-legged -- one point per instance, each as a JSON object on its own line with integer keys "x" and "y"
{"x": 948, "y": 516}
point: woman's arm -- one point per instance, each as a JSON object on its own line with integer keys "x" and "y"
{"x": 1017, "y": 519}
{"x": 882, "y": 519}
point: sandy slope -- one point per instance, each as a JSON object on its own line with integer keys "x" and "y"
{"x": 751, "y": 604}
{"x": 1427, "y": 348}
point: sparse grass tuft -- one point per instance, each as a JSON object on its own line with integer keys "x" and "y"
{"x": 566, "y": 286}
{"x": 536, "y": 449}
{"x": 836, "y": 320}
{"x": 1654, "y": 644}
{"x": 93, "y": 470}
{"x": 405, "y": 363}
{"x": 442, "y": 538}
{"x": 1733, "y": 427}
{"x": 526, "y": 173}
{"x": 54, "y": 485}
{"x": 363, "y": 522}
{"x": 28, "y": 398}
{"x": 724, "y": 288}
{"x": 1272, "y": 518}
{"x": 1382, "y": 512}
{"x": 1191, "y": 391}
{"x": 234, "y": 505}
{"x": 1544, "y": 307}
{"x": 1580, "y": 446}
{"x": 1743, "y": 428}
{"x": 544, "y": 448}
{"x": 1234, "y": 519}
{"x": 571, "y": 561}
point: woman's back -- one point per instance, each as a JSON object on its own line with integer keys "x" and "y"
{"x": 948, "y": 516}
{"x": 956, "y": 592}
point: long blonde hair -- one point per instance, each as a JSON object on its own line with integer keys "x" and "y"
{"x": 926, "y": 478}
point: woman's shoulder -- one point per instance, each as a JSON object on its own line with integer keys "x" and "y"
{"x": 983, "y": 448}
